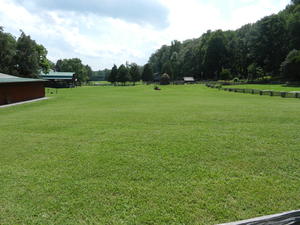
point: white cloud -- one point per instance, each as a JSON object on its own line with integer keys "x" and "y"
{"x": 101, "y": 41}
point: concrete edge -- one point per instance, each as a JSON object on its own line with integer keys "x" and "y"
{"x": 24, "y": 102}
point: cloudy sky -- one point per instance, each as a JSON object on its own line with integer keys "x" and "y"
{"x": 104, "y": 32}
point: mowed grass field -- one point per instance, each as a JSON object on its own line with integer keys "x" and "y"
{"x": 132, "y": 155}
{"x": 271, "y": 87}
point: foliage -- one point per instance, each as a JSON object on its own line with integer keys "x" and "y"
{"x": 28, "y": 56}
{"x": 257, "y": 48}
{"x": 255, "y": 72}
{"x": 7, "y": 52}
{"x": 113, "y": 76}
{"x": 22, "y": 57}
{"x": 134, "y": 73}
{"x": 123, "y": 74}
{"x": 225, "y": 74}
{"x": 83, "y": 72}
{"x": 165, "y": 79}
{"x": 291, "y": 66}
{"x": 101, "y": 75}
{"x": 147, "y": 75}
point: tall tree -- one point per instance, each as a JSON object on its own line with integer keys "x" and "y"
{"x": 113, "y": 75}
{"x": 147, "y": 75}
{"x": 293, "y": 22}
{"x": 215, "y": 54}
{"x": 89, "y": 72}
{"x": 269, "y": 43}
{"x": 134, "y": 73}
{"x": 7, "y": 52}
{"x": 75, "y": 65}
{"x": 27, "y": 56}
{"x": 167, "y": 68}
{"x": 123, "y": 75}
{"x": 44, "y": 63}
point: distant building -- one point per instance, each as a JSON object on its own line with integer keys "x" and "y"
{"x": 60, "y": 79}
{"x": 189, "y": 80}
{"x": 16, "y": 89}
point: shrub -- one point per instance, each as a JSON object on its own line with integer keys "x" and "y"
{"x": 225, "y": 74}
{"x": 290, "y": 68}
{"x": 165, "y": 79}
{"x": 255, "y": 72}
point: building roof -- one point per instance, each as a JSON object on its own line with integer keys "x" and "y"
{"x": 57, "y": 75}
{"x": 190, "y": 79}
{"x": 5, "y": 78}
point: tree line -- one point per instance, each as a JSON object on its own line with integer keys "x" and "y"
{"x": 24, "y": 57}
{"x": 130, "y": 73}
{"x": 267, "y": 49}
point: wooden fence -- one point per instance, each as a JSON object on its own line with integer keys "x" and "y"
{"x": 283, "y": 94}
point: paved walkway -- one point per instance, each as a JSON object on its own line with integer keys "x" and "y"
{"x": 20, "y": 103}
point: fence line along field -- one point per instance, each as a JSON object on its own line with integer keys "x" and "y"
{"x": 132, "y": 155}
{"x": 271, "y": 87}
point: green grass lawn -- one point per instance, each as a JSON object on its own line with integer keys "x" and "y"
{"x": 132, "y": 155}
{"x": 271, "y": 87}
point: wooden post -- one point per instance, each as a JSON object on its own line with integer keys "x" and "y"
{"x": 283, "y": 94}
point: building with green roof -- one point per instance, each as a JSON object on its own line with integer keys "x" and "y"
{"x": 60, "y": 79}
{"x": 17, "y": 89}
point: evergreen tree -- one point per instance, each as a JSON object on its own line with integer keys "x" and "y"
{"x": 134, "y": 73}
{"x": 147, "y": 75}
{"x": 113, "y": 75}
{"x": 123, "y": 75}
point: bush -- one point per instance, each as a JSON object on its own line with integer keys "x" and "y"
{"x": 165, "y": 79}
{"x": 255, "y": 72}
{"x": 290, "y": 68}
{"x": 225, "y": 74}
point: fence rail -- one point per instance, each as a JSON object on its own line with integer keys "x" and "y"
{"x": 283, "y": 94}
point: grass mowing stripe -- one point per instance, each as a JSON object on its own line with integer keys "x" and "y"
{"x": 132, "y": 155}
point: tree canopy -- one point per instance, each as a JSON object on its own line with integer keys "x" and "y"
{"x": 83, "y": 72}
{"x": 134, "y": 73}
{"x": 123, "y": 74}
{"x": 147, "y": 75}
{"x": 22, "y": 56}
{"x": 26, "y": 58}
{"x": 259, "y": 47}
